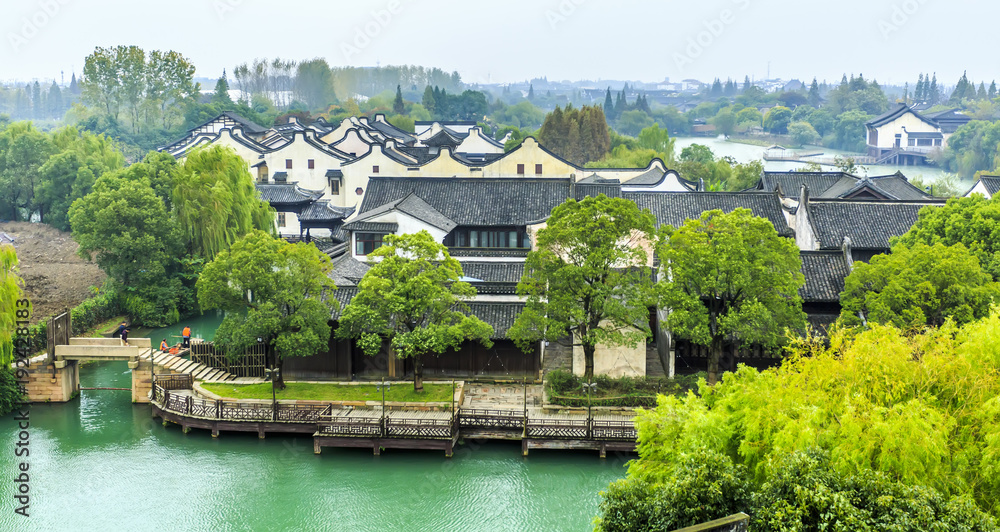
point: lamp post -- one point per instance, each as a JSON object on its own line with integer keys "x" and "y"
{"x": 589, "y": 387}
{"x": 383, "y": 386}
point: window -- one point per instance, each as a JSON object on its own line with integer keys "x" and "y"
{"x": 365, "y": 243}
{"x": 335, "y": 186}
{"x": 911, "y": 142}
{"x": 281, "y": 219}
{"x": 359, "y": 191}
{"x": 288, "y": 164}
{"x": 937, "y": 142}
{"x": 520, "y": 169}
{"x": 375, "y": 169}
{"x": 924, "y": 142}
{"x": 312, "y": 164}
{"x": 493, "y": 237}
{"x": 538, "y": 169}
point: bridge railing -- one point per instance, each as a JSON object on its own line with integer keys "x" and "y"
{"x": 188, "y": 405}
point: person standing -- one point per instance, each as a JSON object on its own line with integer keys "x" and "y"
{"x": 118, "y": 331}
{"x": 125, "y": 337}
{"x": 186, "y": 337}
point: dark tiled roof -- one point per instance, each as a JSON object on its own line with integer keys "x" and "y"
{"x": 500, "y": 316}
{"x": 445, "y": 137}
{"x": 371, "y": 227}
{"x": 413, "y": 206}
{"x": 348, "y": 271}
{"x": 280, "y": 176}
{"x": 343, "y": 296}
{"x": 791, "y": 182}
{"x": 825, "y": 272}
{"x": 391, "y": 131}
{"x": 674, "y": 207}
{"x": 422, "y": 154}
{"x": 287, "y": 194}
{"x": 474, "y": 201}
{"x": 899, "y": 110}
{"x": 869, "y": 224}
{"x": 322, "y": 211}
{"x": 334, "y": 173}
{"x": 494, "y": 272}
{"x": 992, "y": 184}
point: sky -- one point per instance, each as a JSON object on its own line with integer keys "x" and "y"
{"x": 516, "y": 40}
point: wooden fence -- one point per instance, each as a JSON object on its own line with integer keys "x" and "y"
{"x": 248, "y": 364}
{"x": 238, "y": 411}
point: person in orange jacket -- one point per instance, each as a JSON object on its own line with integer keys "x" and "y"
{"x": 186, "y": 337}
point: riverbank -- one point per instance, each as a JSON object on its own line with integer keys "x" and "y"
{"x": 100, "y": 447}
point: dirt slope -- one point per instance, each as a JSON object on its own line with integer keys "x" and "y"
{"x": 55, "y": 277}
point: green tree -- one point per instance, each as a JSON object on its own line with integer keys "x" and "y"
{"x": 412, "y": 297}
{"x": 698, "y": 153}
{"x": 777, "y": 120}
{"x": 126, "y": 229}
{"x": 730, "y": 276}
{"x": 314, "y": 84}
{"x": 803, "y": 133}
{"x": 10, "y": 294}
{"x": 705, "y": 486}
{"x": 428, "y": 99}
{"x": 659, "y": 140}
{"x": 588, "y": 278}
{"x": 632, "y": 122}
{"x": 849, "y": 130}
{"x": 284, "y": 289}
{"x": 23, "y": 152}
{"x": 919, "y": 285}
{"x": 909, "y": 422}
{"x": 973, "y": 222}
{"x": 397, "y": 104}
{"x": 725, "y": 121}
{"x": 216, "y": 202}
{"x": 749, "y": 117}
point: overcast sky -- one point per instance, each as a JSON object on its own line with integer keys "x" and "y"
{"x": 514, "y": 40}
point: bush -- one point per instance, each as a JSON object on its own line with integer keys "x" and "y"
{"x": 562, "y": 381}
{"x": 9, "y": 394}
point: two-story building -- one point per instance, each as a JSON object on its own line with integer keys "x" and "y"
{"x": 905, "y": 136}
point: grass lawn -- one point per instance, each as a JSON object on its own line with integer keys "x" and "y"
{"x": 334, "y": 392}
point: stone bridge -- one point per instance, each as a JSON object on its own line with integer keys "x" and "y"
{"x": 55, "y": 377}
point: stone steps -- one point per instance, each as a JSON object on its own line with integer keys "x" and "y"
{"x": 175, "y": 364}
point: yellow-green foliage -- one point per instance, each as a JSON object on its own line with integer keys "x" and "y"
{"x": 923, "y": 409}
{"x": 10, "y": 292}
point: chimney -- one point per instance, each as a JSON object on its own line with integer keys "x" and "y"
{"x": 701, "y": 184}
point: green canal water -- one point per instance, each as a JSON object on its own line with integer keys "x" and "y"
{"x": 100, "y": 463}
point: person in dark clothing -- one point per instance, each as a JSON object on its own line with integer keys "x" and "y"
{"x": 119, "y": 330}
{"x": 125, "y": 337}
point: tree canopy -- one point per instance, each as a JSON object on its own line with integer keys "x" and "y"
{"x": 919, "y": 285}
{"x": 412, "y": 296}
{"x": 216, "y": 201}
{"x": 589, "y": 277}
{"x": 10, "y": 293}
{"x": 729, "y": 276}
{"x": 973, "y": 222}
{"x": 127, "y": 230}
{"x": 577, "y": 135}
{"x": 284, "y": 289}
{"x": 889, "y": 409}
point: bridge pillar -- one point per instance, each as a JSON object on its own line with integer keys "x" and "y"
{"x": 142, "y": 380}
{"x": 55, "y": 383}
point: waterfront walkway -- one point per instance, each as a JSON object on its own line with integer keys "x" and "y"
{"x": 488, "y": 412}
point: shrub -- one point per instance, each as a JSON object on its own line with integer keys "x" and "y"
{"x": 9, "y": 393}
{"x": 562, "y": 381}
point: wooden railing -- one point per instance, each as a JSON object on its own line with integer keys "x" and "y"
{"x": 174, "y": 381}
{"x": 389, "y": 424}
{"x": 238, "y": 411}
{"x": 248, "y": 364}
{"x": 491, "y": 419}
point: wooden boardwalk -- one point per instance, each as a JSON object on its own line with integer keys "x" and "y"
{"x": 372, "y": 428}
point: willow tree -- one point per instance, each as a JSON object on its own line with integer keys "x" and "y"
{"x": 412, "y": 297}
{"x": 10, "y": 296}
{"x": 282, "y": 287}
{"x": 216, "y": 202}
{"x": 589, "y": 277}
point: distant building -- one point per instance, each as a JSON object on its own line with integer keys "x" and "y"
{"x": 905, "y": 136}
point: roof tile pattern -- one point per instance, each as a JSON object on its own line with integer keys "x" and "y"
{"x": 869, "y": 224}
{"x": 673, "y": 208}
